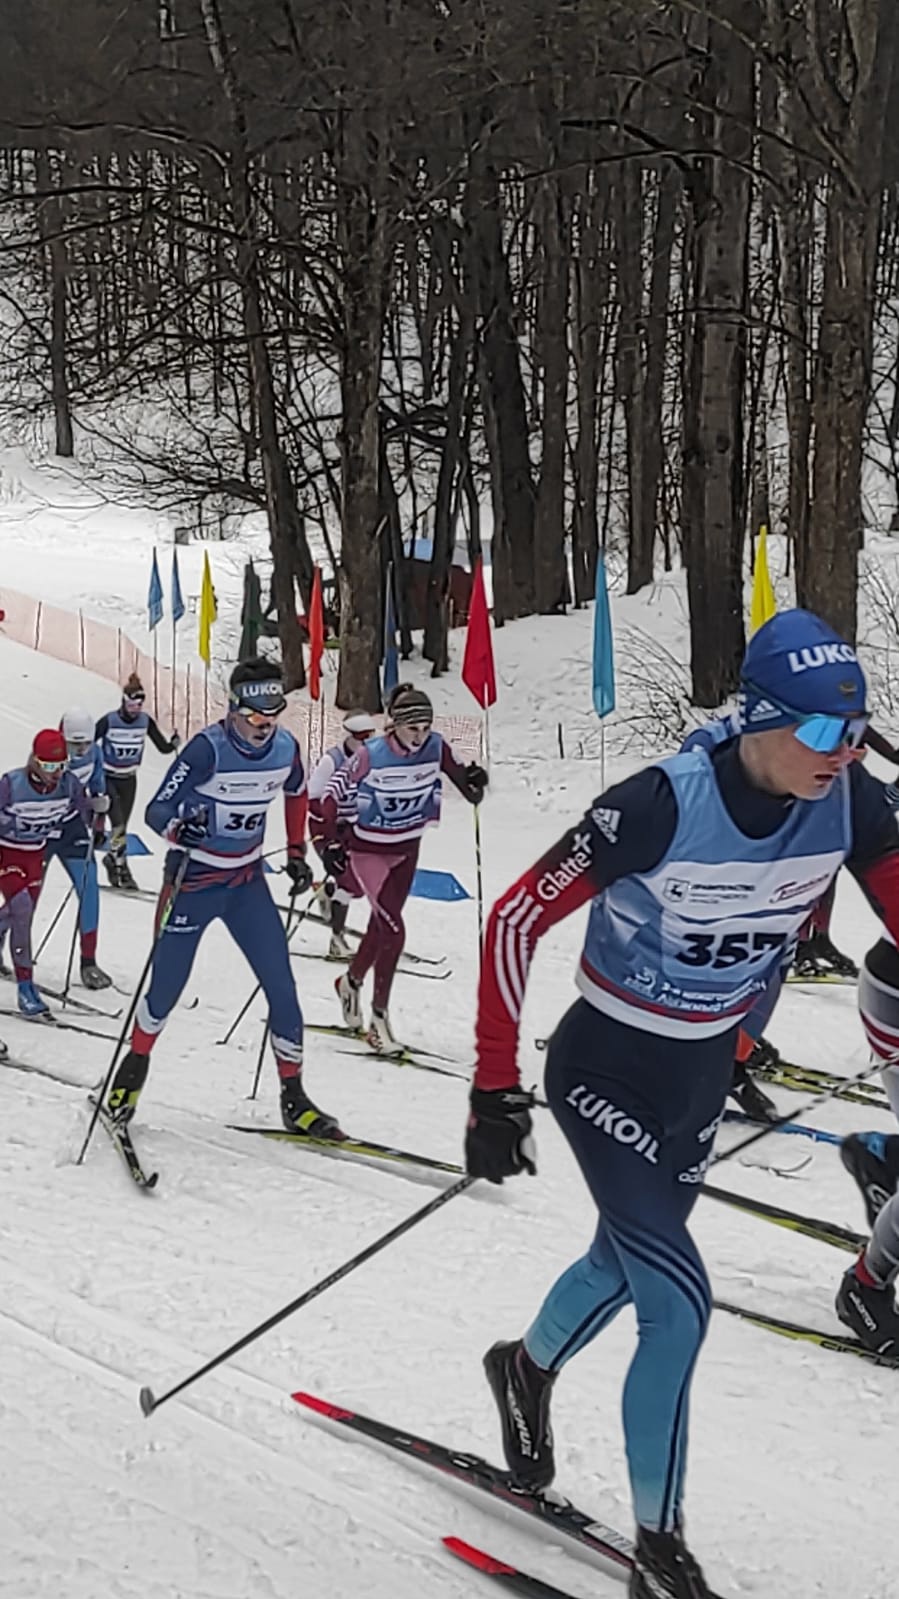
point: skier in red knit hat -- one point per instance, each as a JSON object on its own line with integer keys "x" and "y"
{"x": 36, "y": 800}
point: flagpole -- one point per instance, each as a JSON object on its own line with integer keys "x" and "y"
{"x": 174, "y": 661}
{"x": 155, "y": 673}
{"x": 311, "y": 717}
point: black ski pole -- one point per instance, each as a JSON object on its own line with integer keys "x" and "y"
{"x": 49, "y": 933}
{"x": 244, "y": 1008}
{"x": 88, "y": 862}
{"x": 290, "y": 928}
{"x": 148, "y": 1401}
{"x": 160, "y": 929}
{"x": 804, "y": 1110}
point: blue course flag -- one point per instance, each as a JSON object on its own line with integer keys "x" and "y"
{"x": 154, "y": 598}
{"x": 389, "y": 657}
{"x": 133, "y": 845}
{"x": 437, "y": 885}
{"x": 177, "y": 597}
{"x": 603, "y": 661}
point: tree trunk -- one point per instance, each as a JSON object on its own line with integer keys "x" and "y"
{"x": 656, "y": 343}
{"x": 362, "y": 239}
{"x": 629, "y": 364}
{"x": 390, "y": 540}
{"x": 842, "y": 384}
{"x": 502, "y": 391}
{"x": 435, "y": 646}
{"x": 50, "y": 226}
{"x": 794, "y": 233}
{"x": 550, "y": 569}
{"x": 713, "y": 477}
{"x": 286, "y": 531}
{"x": 591, "y": 283}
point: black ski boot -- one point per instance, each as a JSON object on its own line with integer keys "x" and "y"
{"x": 126, "y": 880}
{"x": 664, "y": 1566}
{"x": 93, "y": 976}
{"x": 868, "y": 1309}
{"x": 765, "y": 1056}
{"x": 818, "y": 957}
{"x": 872, "y": 1159}
{"x": 300, "y": 1115}
{"x": 522, "y": 1393}
{"x": 111, "y": 863}
{"x": 752, "y": 1100}
{"x": 834, "y": 958}
{"x": 121, "y": 1101}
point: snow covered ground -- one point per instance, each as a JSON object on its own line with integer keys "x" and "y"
{"x": 230, "y": 1492}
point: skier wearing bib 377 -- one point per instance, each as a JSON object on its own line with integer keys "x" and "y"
{"x": 213, "y": 804}
{"x": 700, "y": 869}
{"x": 370, "y": 820}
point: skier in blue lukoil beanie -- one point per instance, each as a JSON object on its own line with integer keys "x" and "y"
{"x": 797, "y": 672}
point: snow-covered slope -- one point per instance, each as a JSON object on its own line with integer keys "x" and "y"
{"x": 231, "y": 1493}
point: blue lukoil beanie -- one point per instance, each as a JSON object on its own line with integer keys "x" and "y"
{"x": 805, "y": 666}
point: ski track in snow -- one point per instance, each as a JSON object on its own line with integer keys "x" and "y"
{"x": 229, "y": 1492}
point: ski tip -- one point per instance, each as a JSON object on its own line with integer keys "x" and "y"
{"x": 477, "y": 1558}
{"x": 322, "y": 1407}
{"x": 151, "y": 1181}
{"x": 147, "y": 1401}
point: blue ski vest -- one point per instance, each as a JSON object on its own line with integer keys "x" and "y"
{"x": 399, "y": 796}
{"x": 237, "y": 793}
{"x": 123, "y": 743}
{"x": 30, "y": 818}
{"x": 88, "y": 768}
{"x": 713, "y": 733}
{"x": 685, "y": 949}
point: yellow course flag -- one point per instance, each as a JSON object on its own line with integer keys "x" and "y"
{"x": 763, "y": 606}
{"x": 208, "y": 612}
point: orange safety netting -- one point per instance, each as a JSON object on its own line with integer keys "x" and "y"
{"x": 188, "y": 699}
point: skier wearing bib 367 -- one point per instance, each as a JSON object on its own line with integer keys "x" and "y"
{"x": 700, "y": 869}
{"x": 213, "y": 804}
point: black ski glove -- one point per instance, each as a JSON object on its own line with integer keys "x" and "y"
{"x": 336, "y": 859}
{"x": 298, "y": 870}
{"x": 476, "y": 781}
{"x": 193, "y": 824}
{"x": 498, "y": 1138}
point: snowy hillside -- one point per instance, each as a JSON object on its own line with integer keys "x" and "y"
{"x": 231, "y": 1492}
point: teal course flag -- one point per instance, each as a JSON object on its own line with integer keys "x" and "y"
{"x": 154, "y": 597}
{"x": 177, "y": 597}
{"x": 603, "y": 660}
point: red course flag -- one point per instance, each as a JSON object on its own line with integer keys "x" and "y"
{"x": 316, "y": 636}
{"x": 478, "y": 670}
